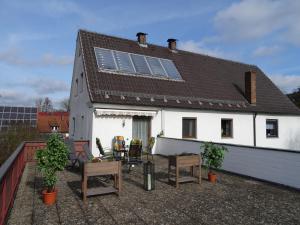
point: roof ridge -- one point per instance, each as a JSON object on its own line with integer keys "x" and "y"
{"x": 165, "y": 47}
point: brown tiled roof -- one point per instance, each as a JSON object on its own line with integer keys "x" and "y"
{"x": 209, "y": 83}
{"x": 47, "y": 119}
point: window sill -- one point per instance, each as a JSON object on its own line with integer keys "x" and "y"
{"x": 189, "y": 138}
{"x": 272, "y": 137}
{"x": 225, "y": 137}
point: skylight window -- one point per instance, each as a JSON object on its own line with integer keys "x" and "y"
{"x": 134, "y": 64}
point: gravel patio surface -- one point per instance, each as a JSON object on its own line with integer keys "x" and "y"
{"x": 233, "y": 200}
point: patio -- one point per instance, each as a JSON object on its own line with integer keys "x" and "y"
{"x": 235, "y": 200}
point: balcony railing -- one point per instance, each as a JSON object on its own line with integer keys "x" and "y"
{"x": 11, "y": 172}
{"x": 12, "y": 169}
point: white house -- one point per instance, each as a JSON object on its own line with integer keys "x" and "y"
{"x": 136, "y": 89}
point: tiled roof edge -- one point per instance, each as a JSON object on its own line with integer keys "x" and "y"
{"x": 168, "y": 97}
{"x": 160, "y": 46}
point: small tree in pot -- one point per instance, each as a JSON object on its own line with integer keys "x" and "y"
{"x": 51, "y": 159}
{"x": 213, "y": 156}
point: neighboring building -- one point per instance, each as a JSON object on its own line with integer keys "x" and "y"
{"x": 48, "y": 122}
{"x": 136, "y": 89}
{"x": 16, "y": 115}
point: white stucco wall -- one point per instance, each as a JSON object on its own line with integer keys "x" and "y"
{"x": 209, "y": 125}
{"x": 106, "y": 127}
{"x": 80, "y": 106}
{"x": 288, "y": 132}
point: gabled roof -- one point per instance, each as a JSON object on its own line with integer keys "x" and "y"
{"x": 209, "y": 83}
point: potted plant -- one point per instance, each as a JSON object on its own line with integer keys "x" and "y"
{"x": 51, "y": 159}
{"x": 213, "y": 156}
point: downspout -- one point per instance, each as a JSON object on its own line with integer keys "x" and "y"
{"x": 254, "y": 129}
{"x": 162, "y": 121}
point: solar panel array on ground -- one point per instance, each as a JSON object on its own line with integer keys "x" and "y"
{"x": 12, "y": 115}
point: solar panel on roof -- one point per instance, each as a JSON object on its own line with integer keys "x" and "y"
{"x": 124, "y": 62}
{"x": 155, "y": 66}
{"x": 135, "y": 64}
{"x": 105, "y": 58}
{"x": 140, "y": 64}
{"x": 170, "y": 69}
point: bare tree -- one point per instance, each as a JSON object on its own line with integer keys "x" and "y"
{"x": 39, "y": 104}
{"x": 64, "y": 104}
{"x": 44, "y": 105}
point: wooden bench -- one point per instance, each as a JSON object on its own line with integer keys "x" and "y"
{"x": 100, "y": 169}
{"x": 183, "y": 161}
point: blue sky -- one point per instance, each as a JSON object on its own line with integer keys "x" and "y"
{"x": 38, "y": 37}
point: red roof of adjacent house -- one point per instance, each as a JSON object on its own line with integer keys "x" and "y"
{"x": 47, "y": 120}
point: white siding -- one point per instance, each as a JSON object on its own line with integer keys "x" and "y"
{"x": 80, "y": 107}
{"x": 288, "y": 132}
{"x": 209, "y": 126}
{"x": 106, "y": 127}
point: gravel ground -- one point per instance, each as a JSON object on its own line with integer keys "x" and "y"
{"x": 233, "y": 200}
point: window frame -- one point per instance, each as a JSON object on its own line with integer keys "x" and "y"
{"x": 74, "y": 125}
{"x": 195, "y": 120}
{"x": 276, "y": 127}
{"x": 81, "y": 83}
{"x": 231, "y": 128}
{"x": 76, "y": 87}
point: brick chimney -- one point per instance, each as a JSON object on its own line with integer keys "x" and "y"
{"x": 172, "y": 44}
{"x": 141, "y": 38}
{"x": 250, "y": 86}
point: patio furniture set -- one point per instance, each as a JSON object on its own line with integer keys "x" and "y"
{"x": 109, "y": 166}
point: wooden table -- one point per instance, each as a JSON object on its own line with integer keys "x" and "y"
{"x": 99, "y": 169}
{"x": 184, "y": 161}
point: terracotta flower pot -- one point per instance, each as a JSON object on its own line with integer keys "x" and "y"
{"x": 49, "y": 198}
{"x": 212, "y": 177}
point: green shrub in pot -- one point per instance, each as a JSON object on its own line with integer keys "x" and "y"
{"x": 51, "y": 159}
{"x": 213, "y": 157}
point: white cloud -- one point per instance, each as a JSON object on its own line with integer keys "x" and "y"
{"x": 266, "y": 50}
{"x": 251, "y": 19}
{"x": 23, "y": 98}
{"x": 287, "y": 83}
{"x": 13, "y": 56}
{"x": 47, "y": 86}
{"x": 16, "y": 98}
{"x": 198, "y": 47}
